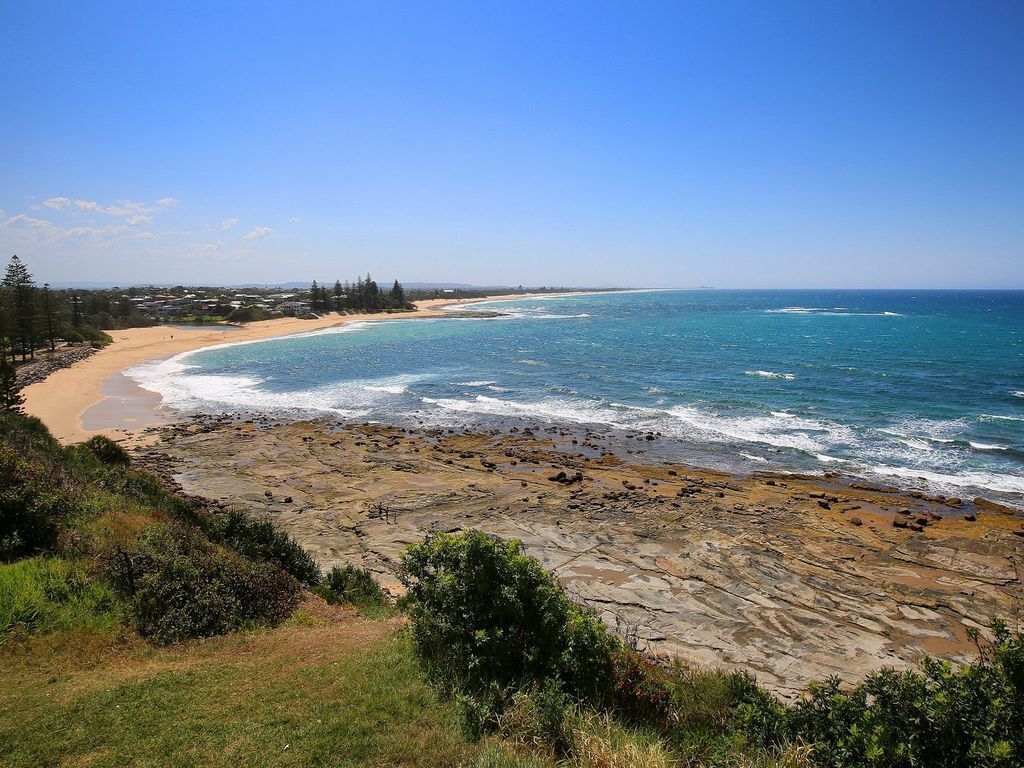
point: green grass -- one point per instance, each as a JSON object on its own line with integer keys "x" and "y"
{"x": 344, "y": 694}
{"x": 49, "y": 594}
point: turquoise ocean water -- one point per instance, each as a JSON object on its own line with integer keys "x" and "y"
{"x": 917, "y": 388}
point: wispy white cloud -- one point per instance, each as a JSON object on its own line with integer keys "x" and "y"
{"x": 56, "y": 203}
{"x": 294, "y": 220}
{"x": 228, "y": 223}
{"x": 122, "y": 208}
{"x": 257, "y": 234}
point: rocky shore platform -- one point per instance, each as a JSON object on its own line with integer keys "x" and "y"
{"x": 792, "y": 578}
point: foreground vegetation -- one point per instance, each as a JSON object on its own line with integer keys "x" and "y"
{"x": 139, "y": 628}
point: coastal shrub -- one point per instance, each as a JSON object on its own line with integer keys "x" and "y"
{"x": 107, "y": 451}
{"x": 41, "y": 594}
{"x": 262, "y": 540}
{"x": 181, "y": 586}
{"x": 28, "y": 436}
{"x": 484, "y": 614}
{"x": 246, "y": 315}
{"x": 350, "y": 584}
{"x": 32, "y": 506}
{"x": 941, "y": 715}
{"x": 642, "y": 692}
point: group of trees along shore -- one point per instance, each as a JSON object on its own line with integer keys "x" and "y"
{"x": 364, "y": 295}
{"x": 34, "y": 318}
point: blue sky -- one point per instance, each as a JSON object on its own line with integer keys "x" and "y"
{"x": 734, "y": 144}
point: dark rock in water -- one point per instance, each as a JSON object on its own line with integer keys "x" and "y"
{"x": 287, "y": 499}
{"x": 969, "y": 517}
{"x": 899, "y": 522}
{"x": 953, "y": 501}
{"x": 824, "y": 504}
{"x": 856, "y": 521}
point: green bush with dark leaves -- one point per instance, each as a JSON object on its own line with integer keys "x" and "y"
{"x": 484, "y": 614}
{"x": 32, "y": 506}
{"x": 353, "y": 586}
{"x": 107, "y": 451}
{"x": 179, "y": 586}
{"x": 262, "y": 540}
{"x": 942, "y": 715}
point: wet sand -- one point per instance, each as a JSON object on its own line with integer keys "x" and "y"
{"x": 792, "y": 578}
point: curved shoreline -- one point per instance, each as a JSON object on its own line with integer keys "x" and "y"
{"x": 63, "y": 398}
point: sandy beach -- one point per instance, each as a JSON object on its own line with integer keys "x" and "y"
{"x": 64, "y": 398}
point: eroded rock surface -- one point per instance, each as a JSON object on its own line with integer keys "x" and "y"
{"x": 767, "y": 573}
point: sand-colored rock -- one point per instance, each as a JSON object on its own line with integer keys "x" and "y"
{"x": 744, "y": 572}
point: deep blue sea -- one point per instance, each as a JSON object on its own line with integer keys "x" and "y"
{"x": 918, "y": 388}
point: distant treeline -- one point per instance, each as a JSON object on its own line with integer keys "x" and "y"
{"x": 364, "y": 295}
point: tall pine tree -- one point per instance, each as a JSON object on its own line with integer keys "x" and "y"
{"x": 397, "y": 295}
{"x": 21, "y": 289}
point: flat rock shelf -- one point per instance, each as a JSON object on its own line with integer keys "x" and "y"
{"x": 792, "y": 578}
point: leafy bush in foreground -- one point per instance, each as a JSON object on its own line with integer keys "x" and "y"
{"x": 182, "y": 586}
{"x": 942, "y": 716}
{"x": 262, "y": 540}
{"x": 484, "y": 614}
{"x": 32, "y": 506}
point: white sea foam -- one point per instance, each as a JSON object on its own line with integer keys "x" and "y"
{"x": 181, "y": 389}
{"x": 481, "y": 383}
{"x": 938, "y": 430}
{"x": 997, "y": 417}
{"x": 827, "y": 459}
{"x": 986, "y": 446}
{"x": 1019, "y": 393}
{"x": 802, "y": 434}
{"x": 1002, "y": 483}
{"x": 771, "y": 375}
{"x": 547, "y": 409}
{"x": 919, "y": 445}
{"x": 752, "y": 457}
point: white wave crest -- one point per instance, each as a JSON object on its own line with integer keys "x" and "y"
{"x": 184, "y": 390}
{"x": 771, "y": 375}
{"x": 1001, "y": 483}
